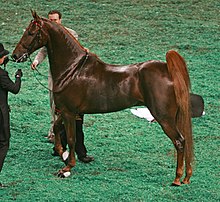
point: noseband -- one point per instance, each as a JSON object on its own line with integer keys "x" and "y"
{"x": 22, "y": 58}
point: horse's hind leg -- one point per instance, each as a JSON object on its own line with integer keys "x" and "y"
{"x": 179, "y": 143}
{"x": 188, "y": 172}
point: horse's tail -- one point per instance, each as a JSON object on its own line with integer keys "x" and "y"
{"x": 179, "y": 74}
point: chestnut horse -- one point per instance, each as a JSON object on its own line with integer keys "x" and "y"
{"x": 85, "y": 84}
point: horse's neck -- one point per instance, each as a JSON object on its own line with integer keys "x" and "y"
{"x": 63, "y": 50}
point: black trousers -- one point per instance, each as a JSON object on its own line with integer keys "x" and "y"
{"x": 4, "y": 142}
{"x": 4, "y": 146}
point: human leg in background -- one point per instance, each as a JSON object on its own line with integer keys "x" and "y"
{"x": 52, "y": 109}
{"x": 80, "y": 148}
{"x": 4, "y": 146}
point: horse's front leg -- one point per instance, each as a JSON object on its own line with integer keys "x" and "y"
{"x": 70, "y": 127}
{"x": 58, "y": 129}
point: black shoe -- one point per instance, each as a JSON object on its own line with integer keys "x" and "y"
{"x": 55, "y": 153}
{"x": 2, "y": 186}
{"x": 86, "y": 159}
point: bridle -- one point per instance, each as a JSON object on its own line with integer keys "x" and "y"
{"x": 23, "y": 57}
{"x": 26, "y": 55}
{"x": 36, "y": 38}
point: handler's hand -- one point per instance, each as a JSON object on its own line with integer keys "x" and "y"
{"x": 34, "y": 65}
{"x": 18, "y": 74}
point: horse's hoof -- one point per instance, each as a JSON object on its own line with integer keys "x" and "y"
{"x": 185, "y": 182}
{"x": 62, "y": 174}
{"x": 176, "y": 184}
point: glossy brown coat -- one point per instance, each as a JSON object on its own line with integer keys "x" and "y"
{"x": 85, "y": 84}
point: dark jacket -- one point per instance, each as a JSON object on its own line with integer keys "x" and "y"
{"x": 6, "y": 85}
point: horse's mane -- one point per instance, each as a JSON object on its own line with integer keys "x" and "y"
{"x": 63, "y": 28}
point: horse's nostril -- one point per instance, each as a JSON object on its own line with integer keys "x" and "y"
{"x": 13, "y": 56}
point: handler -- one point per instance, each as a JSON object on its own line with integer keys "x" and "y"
{"x": 81, "y": 151}
{"x": 6, "y": 85}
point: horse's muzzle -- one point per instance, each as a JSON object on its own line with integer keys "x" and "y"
{"x": 18, "y": 59}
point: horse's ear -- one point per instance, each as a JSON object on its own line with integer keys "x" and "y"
{"x": 33, "y": 13}
{"x": 35, "y": 16}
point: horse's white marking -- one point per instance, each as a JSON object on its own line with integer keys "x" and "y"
{"x": 66, "y": 174}
{"x": 65, "y": 155}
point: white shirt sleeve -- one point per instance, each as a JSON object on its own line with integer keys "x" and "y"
{"x": 41, "y": 55}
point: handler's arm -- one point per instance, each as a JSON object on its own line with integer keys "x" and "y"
{"x": 42, "y": 54}
{"x": 9, "y": 85}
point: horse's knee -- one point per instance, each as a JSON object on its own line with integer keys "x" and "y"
{"x": 58, "y": 127}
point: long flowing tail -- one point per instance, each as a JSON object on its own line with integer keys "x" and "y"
{"x": 179, "y": 74}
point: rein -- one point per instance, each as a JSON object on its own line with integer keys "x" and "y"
{"x": 24, "y": 56}
{"x": 39, "y": 74}
{"x": 40, "y": 81}
{"x": 57, "y": 91}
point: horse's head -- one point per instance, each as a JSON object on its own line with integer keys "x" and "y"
{"x": 33, "y": 38}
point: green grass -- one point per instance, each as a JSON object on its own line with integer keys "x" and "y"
{"x": 134, "y": 160}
